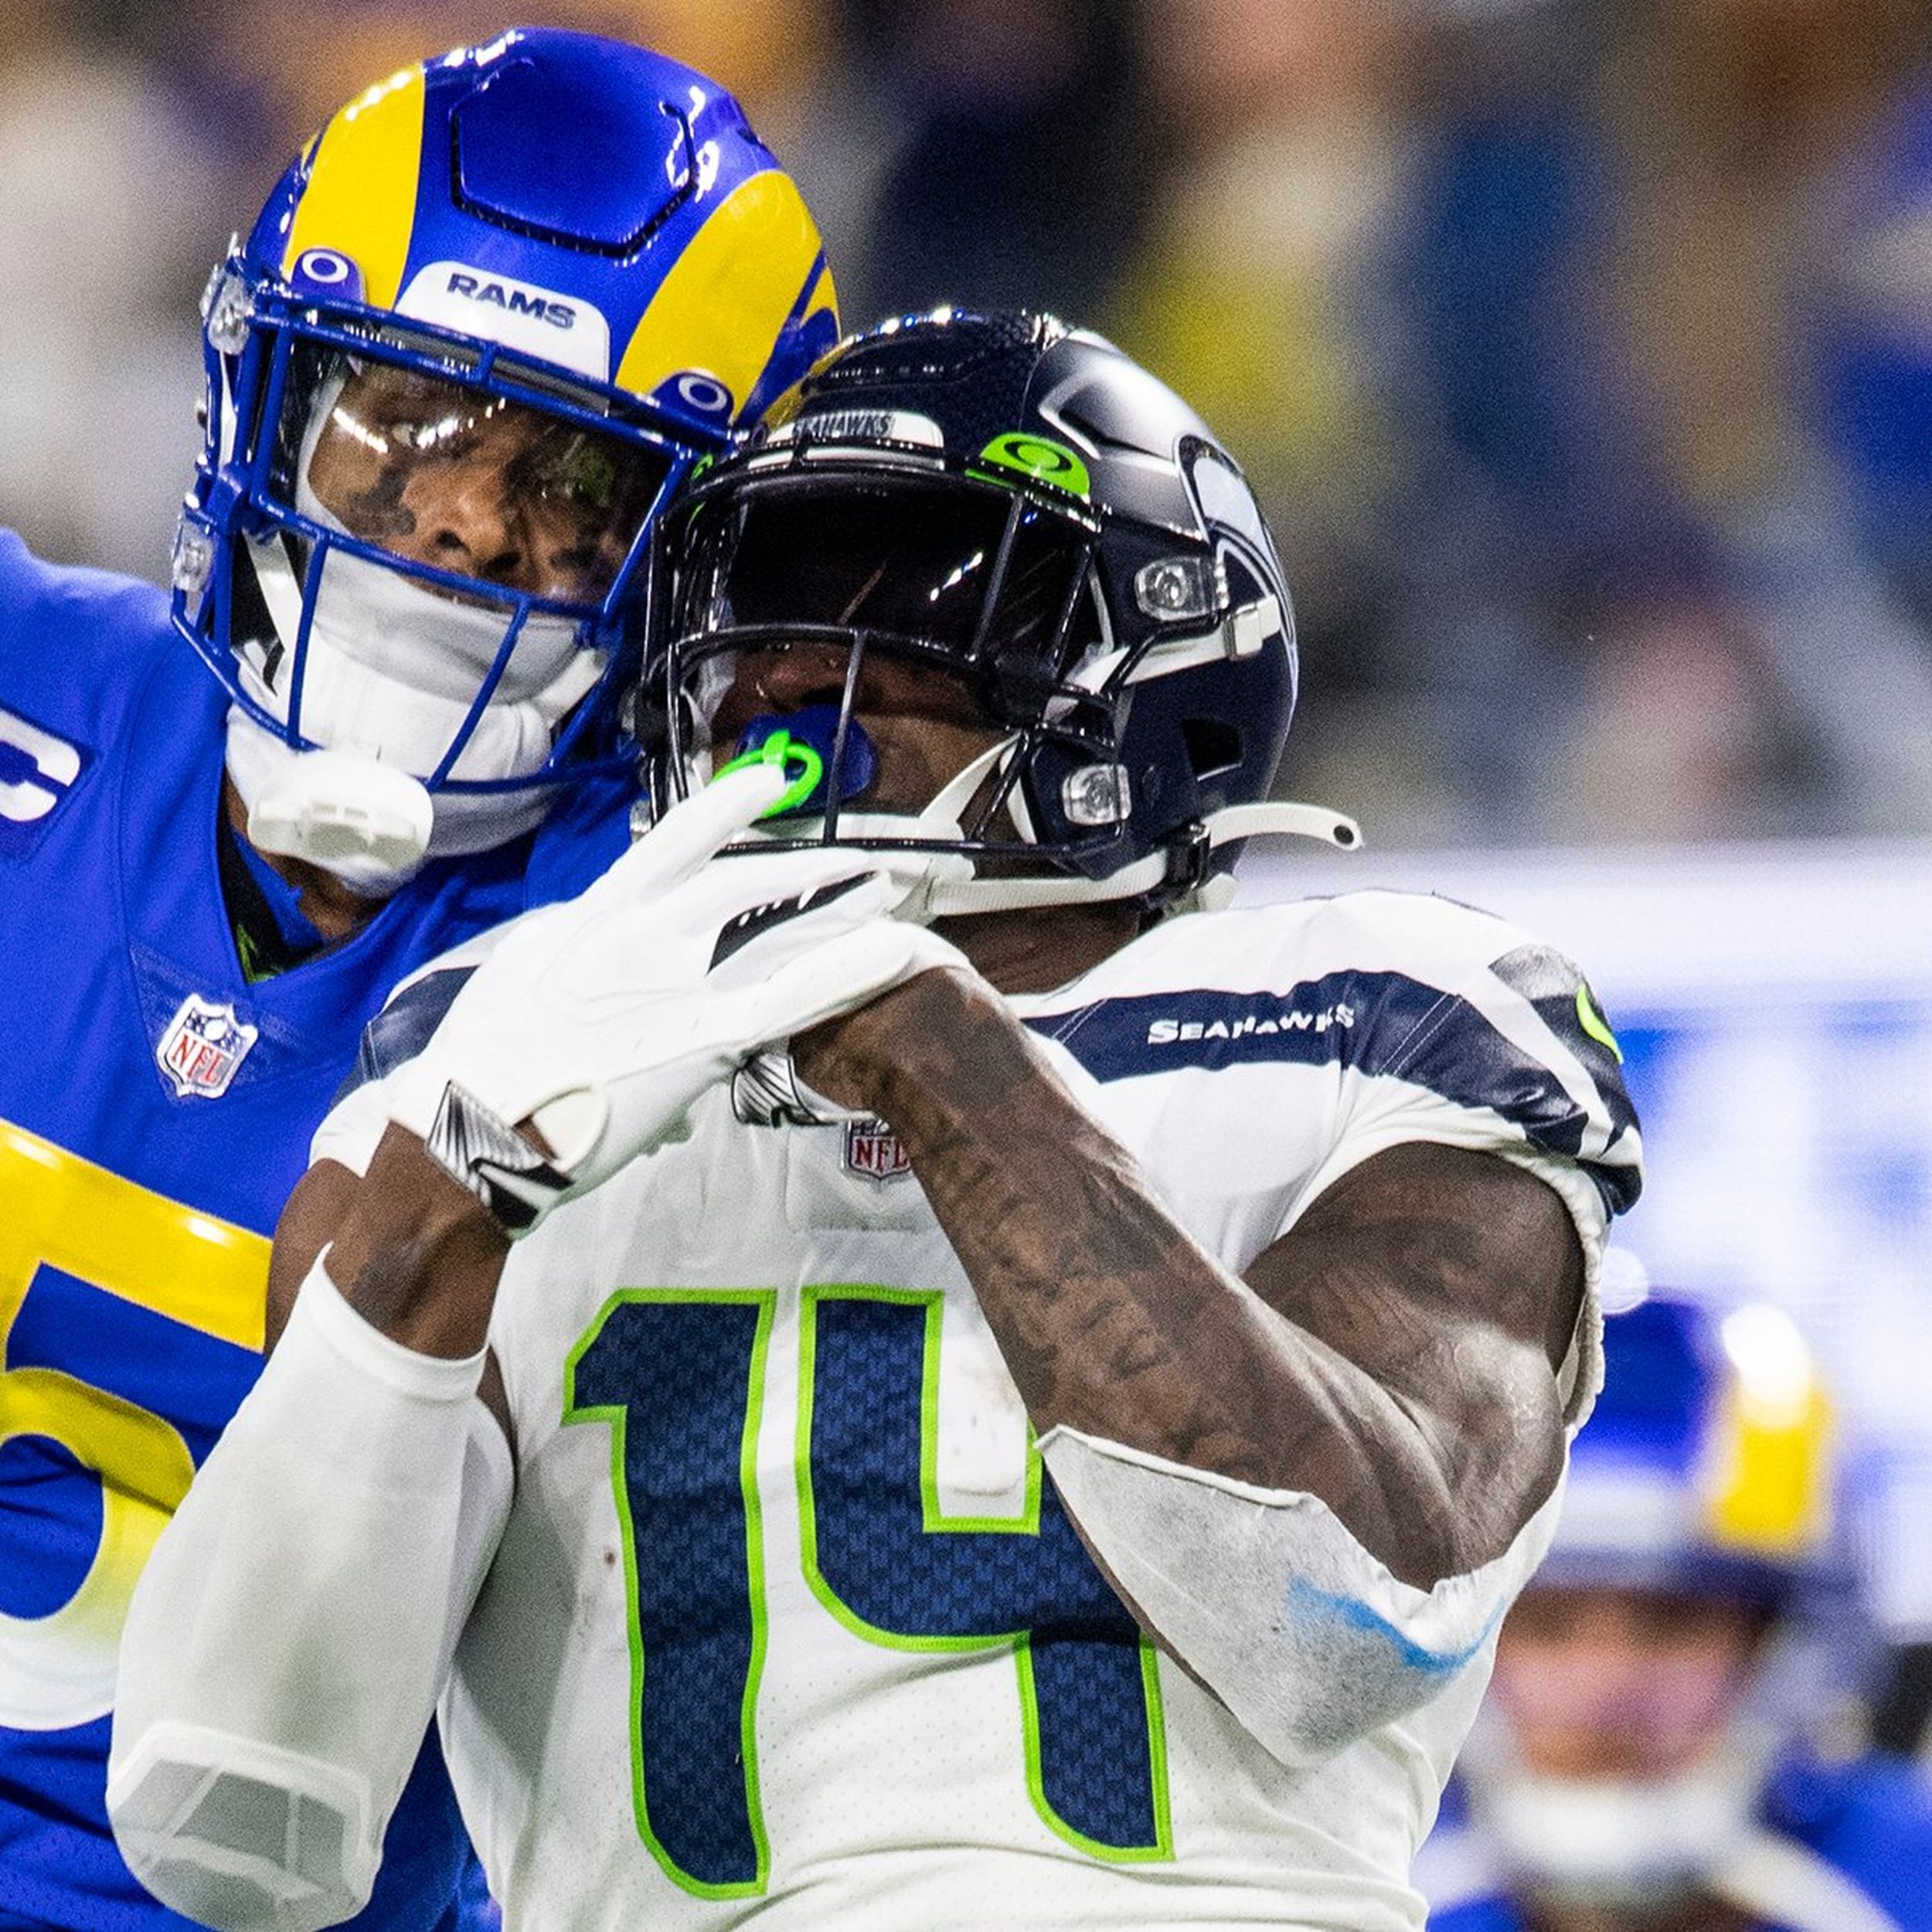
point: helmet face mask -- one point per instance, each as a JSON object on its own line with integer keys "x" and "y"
{"x": 481, "y": 330}
{"x": 945, "y": 598}
{"x": 357, "y": 435}
{"x": 1019, "y": 506}
{"x": 371, "y": 447}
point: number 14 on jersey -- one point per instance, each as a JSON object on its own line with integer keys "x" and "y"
{"x": 678, "y": 1378}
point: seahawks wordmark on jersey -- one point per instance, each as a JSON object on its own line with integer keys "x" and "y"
{"x": 786, "y": 1623}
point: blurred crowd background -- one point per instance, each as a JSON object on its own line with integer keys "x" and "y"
{"x": 1581, "y": 349}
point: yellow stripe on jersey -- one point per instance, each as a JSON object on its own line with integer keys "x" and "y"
{"x": 1770, "y": 1441}
{"x": 727, "y": 296}
{"x": 157, "y": 1252}
{"x": 361, "y": 197}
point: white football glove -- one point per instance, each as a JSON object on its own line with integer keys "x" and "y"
{"x": 602, "y": 1018}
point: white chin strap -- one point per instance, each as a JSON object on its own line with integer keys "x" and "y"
{"x": 1618, "y": 1841}
{"x": 944, "y": 885}
{"x": 390, "y": 672}
{"x": 1269, "y": 819}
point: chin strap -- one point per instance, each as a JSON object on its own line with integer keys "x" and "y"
{"x": 943, "y": 885}
{"x": 951, "y": 897}
{"x": 389, "y": 684}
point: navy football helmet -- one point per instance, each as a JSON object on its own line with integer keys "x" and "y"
{"x": 561, "y": 264}
{"x": 1019, "y": 509}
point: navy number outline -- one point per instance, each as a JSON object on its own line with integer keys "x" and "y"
{"x": 700, "y": 1846}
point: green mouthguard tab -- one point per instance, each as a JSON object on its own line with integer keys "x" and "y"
{"x": 785, "y": 751}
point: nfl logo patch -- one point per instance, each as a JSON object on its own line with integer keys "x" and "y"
{"x": 203, "y": 1045}
{"x": 874, "y": 1150}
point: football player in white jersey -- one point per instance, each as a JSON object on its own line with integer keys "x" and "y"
{"x": 894, "y": 1364}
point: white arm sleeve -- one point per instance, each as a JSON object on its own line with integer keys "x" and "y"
{"x": 1301, "y": 1632}
{"x": 288, "y": 1641}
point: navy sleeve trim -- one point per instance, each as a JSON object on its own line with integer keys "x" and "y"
{"x": 1372, "y": 1024}
{"x": 401, "y": 1029}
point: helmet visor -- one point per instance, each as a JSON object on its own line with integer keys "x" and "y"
{"x": 974, "y": 575}
{"x": 439, "y": 473}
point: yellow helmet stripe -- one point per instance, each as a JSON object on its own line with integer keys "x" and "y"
{"x": 727, "y": 296}
{"x": 823, "y": 296}
{"x": 361, "y": 197}
{"x": 1770, "y": 1447}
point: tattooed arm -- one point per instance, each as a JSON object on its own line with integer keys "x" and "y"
{"x": 1394, "y": 1354}
{"x": 414, "y": 1254}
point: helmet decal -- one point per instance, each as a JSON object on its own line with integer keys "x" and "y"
{"x": 861, "y": 425}
{"x": 755, "y": 266}
{"x": 1040, "y": 459}
{"x": 328, "y": 274}
{"x": 362, "y": 186}
{"x": 551, "y": 324}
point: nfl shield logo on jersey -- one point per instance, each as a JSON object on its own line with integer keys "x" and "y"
{"x": 203, "y": 1045}
{"x": 874, "y": 1150}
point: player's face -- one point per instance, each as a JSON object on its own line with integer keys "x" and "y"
{"x": 440, "y": 475}
{"x": 1603, "y": 1683}
{"x": 923, "y": 722}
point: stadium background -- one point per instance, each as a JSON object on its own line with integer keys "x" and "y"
{"x": 1581, "y": 351}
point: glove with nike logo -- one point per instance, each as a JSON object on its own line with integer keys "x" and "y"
{"x": 600, "y": 1020}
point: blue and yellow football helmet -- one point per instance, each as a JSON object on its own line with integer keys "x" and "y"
{"x": 1710, "y": 1478}
{"x": 1709, "y": 1464}
{"x": 485, "y": 325}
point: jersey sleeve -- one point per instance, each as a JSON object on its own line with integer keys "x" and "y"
{"x": 359, "y": 1112}
{"x": 1464, "y": 1030}
{"x": 72, "y": 639}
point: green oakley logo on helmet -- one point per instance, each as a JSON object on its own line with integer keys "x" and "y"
{"x": 1040, "y": 459}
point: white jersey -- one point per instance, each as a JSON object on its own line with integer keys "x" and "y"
{"x": 787, "y": 1629}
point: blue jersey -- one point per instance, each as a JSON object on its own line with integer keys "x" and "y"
{"x": 155, "y": 1111}
{"x": 1837, "y": 1848}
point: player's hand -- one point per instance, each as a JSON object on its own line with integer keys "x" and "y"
{"x": 600, "y": 1020}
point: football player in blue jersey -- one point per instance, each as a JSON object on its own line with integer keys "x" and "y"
{"x": 1645, "y": 1763}
{"x": 486, "y": 321}
{"x": 1019, "y": 1394}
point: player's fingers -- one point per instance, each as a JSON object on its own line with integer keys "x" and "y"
{"x": 747, "y": 878}
{"x": 757, "y": 940}
{"x": 691, "y": 831}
